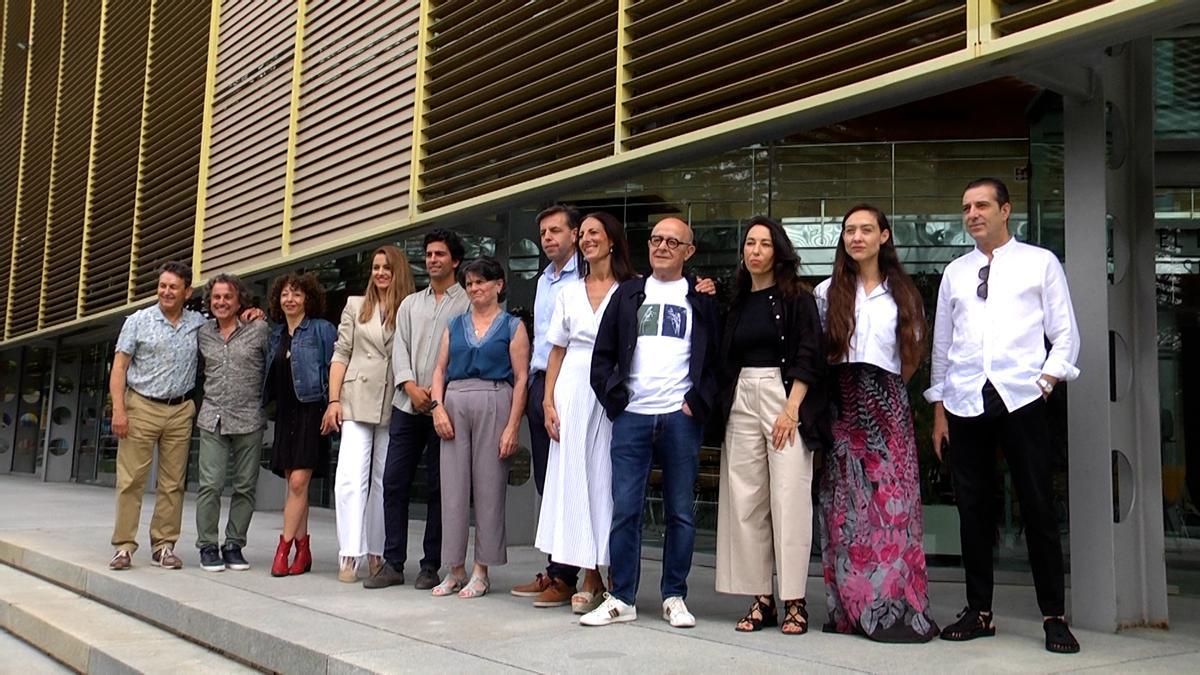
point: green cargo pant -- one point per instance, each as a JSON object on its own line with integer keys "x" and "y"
{"x": 217, "y": 453}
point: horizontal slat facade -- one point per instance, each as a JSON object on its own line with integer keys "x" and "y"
{"x": 244, "y": 203}
{"x": 170, "y": 162}
{"x": 695, "y": 64}
{"x": 1015, "y": 17}
{"x": 72, "y": 144}
{"x": 12, "y": 112}
{"x": 26, "y": 292}
{"x": 503, "y": 91}
{"x": 354, "y": 142}
{"x": 114, "y": 170}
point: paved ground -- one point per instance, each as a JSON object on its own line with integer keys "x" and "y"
{"x": 408, "y": 630}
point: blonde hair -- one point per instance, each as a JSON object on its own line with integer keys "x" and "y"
{"x": 401, "y": 286}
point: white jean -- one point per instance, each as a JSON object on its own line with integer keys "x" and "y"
{"x": 358, "y": 488}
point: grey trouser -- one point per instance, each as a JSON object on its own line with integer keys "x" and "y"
{"x": 471, "y": 466}
{"x": 217, "y": 453}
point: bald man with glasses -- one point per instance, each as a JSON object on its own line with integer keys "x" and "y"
{"x": 653, "y": 369}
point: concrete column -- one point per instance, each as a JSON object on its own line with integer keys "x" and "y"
{"x": 1092, "y": 543}
{"x": 1141, "y": 593}
{"x": 1117, "y": 562}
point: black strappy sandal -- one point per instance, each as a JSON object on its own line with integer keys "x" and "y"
{"x": 1059, "y": 638}
{"x": 795, "y": 613}
{"x": 768, "y": 615}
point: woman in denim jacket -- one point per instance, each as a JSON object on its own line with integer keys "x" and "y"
{"x": 297, "y": 380}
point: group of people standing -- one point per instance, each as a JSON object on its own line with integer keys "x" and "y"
{"x": 621, "y": 376}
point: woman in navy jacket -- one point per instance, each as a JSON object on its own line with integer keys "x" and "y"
{"x": 298, "y": 358}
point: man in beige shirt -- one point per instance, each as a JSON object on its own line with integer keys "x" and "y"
{"x": 420, "y": 322}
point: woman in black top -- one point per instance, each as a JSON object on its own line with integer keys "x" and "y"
{"x": 773, "y": 361}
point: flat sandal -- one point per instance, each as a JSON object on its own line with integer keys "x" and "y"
{"x": 477, "y": 587}
{"x": 449, "y": 586}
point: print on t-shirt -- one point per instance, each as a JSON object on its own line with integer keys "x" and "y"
{"x": 673, "y": 321}
{"x": 648, "y": 319}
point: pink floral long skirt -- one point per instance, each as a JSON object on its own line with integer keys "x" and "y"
{"x": 876, "y": 583}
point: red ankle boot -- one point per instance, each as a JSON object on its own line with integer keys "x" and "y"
{"x": 303, "y": 561}
{"x": 279, "y": 568}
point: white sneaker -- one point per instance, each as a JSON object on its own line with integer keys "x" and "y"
{"x": 676, "y": 612}
{"x": 611, "y": 610}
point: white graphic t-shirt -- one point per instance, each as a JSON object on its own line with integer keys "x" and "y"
{"x": 658, "y": 378}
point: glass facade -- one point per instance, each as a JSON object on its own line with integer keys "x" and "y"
{"x": 1177, "y": 224}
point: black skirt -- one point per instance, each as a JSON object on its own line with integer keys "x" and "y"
{"x": 298, "y": 441}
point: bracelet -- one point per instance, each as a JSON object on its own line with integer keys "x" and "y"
{"x": 335, "y": 401}
{"x": 794, "y": 419}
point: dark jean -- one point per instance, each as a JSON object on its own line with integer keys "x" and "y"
{"x": 672, "y": 441}
{"x": 539, "y": 441}
{"x": 410, "y": 436}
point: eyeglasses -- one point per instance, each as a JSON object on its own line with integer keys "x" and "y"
{"x": 671, "y": 242}
{"x": 984, "y": 272}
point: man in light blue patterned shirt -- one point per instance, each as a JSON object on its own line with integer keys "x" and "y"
{"x": 153, "y": 373}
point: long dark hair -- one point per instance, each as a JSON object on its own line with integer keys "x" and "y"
{"x": 786, "y": 266}
{"x": 910, "y": 326}
{"x": 622, "y": 267}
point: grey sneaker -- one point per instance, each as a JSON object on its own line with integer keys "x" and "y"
{"x": 210, "y": 559}
{"x": 385, "y": 576}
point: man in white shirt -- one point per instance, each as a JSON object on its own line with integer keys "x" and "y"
{"x": 653, "y": 369}
{"x": 991, "y": 375}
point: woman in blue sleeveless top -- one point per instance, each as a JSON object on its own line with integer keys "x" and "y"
{"x": 479, "y": 390}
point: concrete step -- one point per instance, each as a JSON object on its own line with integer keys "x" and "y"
{"x": 90, "y": 637}
{"x": 247, "y": 623}
{"x": 22, "y": 657}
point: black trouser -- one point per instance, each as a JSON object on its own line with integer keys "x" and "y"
{"x": 540, "y": 440}
{"x": 1025, "y": 439}
{"x": 409, "y": 437}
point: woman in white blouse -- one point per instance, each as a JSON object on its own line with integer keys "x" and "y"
{"x": 870, "y": 495}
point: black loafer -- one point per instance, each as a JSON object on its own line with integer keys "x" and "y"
{"x": 210, "y": 559}
{"x": 971, "y": 624}
{"x": 232, "y": 554}
{"x": 426, "y": 579}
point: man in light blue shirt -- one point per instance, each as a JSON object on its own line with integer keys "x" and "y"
{"x": 153, "y": 374}
{"x": 558, "y": 227}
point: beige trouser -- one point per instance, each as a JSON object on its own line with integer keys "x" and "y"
{"x": 764, "y": 512}
{"x": 170, "y": 428}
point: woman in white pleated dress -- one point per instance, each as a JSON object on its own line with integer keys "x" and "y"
{"x": 577, "y": 502}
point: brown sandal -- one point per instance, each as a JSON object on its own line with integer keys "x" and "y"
{"x": 795, "y": 615}
{"x": 767, "y": 615}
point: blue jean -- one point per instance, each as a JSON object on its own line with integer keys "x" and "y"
{"x": 672, "y": 441}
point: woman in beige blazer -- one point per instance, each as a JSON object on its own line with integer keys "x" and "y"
{"x": 360, "y": 400}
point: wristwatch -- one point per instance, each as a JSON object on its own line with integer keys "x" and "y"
{"x": 433, "y": 403}
{"x": 1045, "y": 385}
